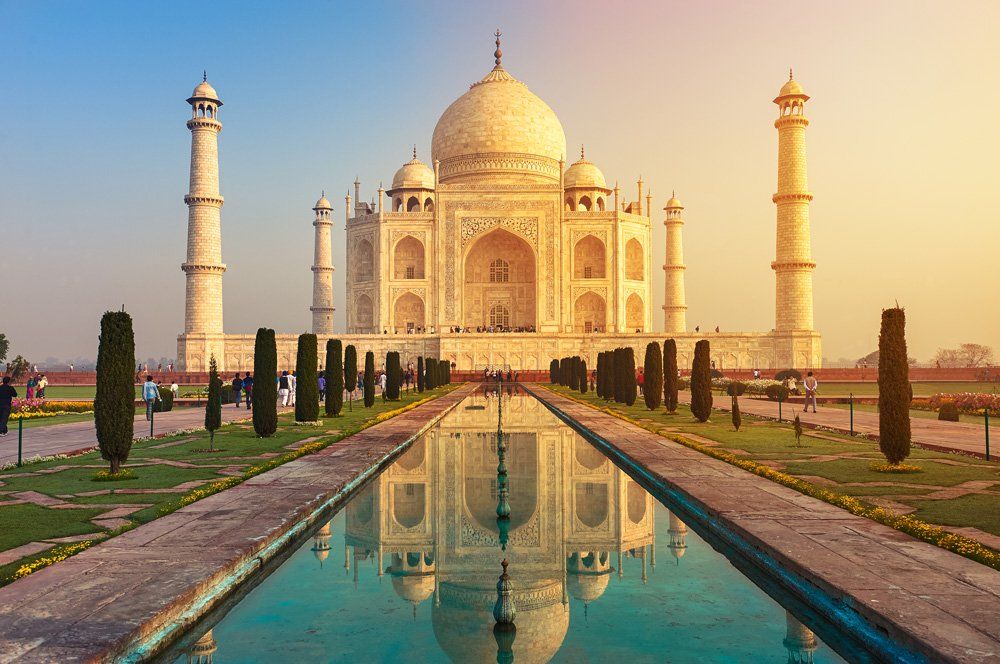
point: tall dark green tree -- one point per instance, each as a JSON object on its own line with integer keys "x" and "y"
{"x": 701, "y": 382}
{"x": 350, "y": 373}
{"x": 582, "y": 366}
{"x": 213, "y": 407}
{"x": 554, "y": 371}
{"x": 670, "y": 375}
{"x": 652, "y": 368}
{"x": 429, "y": 372}
{"x": 574, "y": 373}
{"x": 393, "y": 375}
{"x": 420, "y": 374}
{"x": 265, "y": 390}
{"x": 334, "y": 374}
{"x": 893, "y": 387}
{"x": 306, "y": 379}
{"x": 114, "y": 402}
{"x": 369, "y": 381}
{"x": 610, "y": 392}
{"x": 625, "y": 386}
{"x": 599, "y": 369}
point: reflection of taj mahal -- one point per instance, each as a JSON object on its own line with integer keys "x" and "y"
{"x": 498, "y": 233}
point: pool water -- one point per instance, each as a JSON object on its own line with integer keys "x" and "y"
{"x": 599, "y": 570}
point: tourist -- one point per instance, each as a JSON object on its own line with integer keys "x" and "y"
{"x": 283, "y": 383}
{"x": 640, "y": 379}
{"x": 792, "y": 385}
{"x": 237, "y": 389}
{"x": 248, "y": 389}
{"x": 174, "y": 388}
{"x": 71, "y": 367}
{"x": 322, "y": 387}
{"x": 292, "y": 384}
{"x": 810, "y": 384}
{"x": 29, "y": 387}
{"x": 7, "y": 394}
{"x": 150, "y": 394}
{"x": 697, "y": 328}
{"x": 382, "y": 380}
{"x": 42, "y": 384}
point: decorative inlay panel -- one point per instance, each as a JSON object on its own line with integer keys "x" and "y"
{"x": 526, "y": 227}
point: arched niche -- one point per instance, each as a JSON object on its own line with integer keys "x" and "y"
{"x": 364, "y": 314}
{"x": 589, "y": 313}
{"x": 409, "y": 503}
{"x": 499, "y": 269}
{"x": 364, "y": 262}
{"x": 589, "y": 258}
{"x": 634, "y": 260}
{"x": 634, "y": 314}
{"x": 408, "y": 259}
{"x": 408, "y": 313}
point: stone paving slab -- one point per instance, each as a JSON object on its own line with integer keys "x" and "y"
{"x": 10, "y": 555}
{"x": 102, "y": 602}
{"x": 931, "y": 600}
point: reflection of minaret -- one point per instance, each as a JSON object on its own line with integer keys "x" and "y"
{"x": 321, "y": 543}
{"x": 799, "y": 641}
{"x": 678, "y": 532}
{"x": 202, "y": 650}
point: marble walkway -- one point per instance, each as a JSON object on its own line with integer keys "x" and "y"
{"x": 932, "y": 601}
{"x": 99, "y": 604}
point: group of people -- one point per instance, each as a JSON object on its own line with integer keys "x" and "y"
{"x": 499, "y": 375}
{"x": 492, "y": 329}
{"x": 35, "y": 387}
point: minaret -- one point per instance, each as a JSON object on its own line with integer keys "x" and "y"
{"x": 204, "y": 266}
{"x": 322, "y": 306}
{"x": 793, "y": 264}
{"x": 674, "y": 300}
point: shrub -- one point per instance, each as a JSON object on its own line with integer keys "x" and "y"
{"x": 213, "y": 406}
{"x": 420, "y": 374}
{"x": 583, "y": 376}
{"x": 306, "y": 380}
{"x": 350, "y": 373}
{"x": 554, "y": 371}
{"x": 652, "y": 366}
{"x": 701, "y": 382}
{"x": 393, "y": 375}
{"x": 114, "y": 401}
{"x": 785, "y": 374}
{"x": 334, "y": 374}
{"x": 736, "y": 388}
{"x": 715, "y": 373}
{"x": 670, "y": 377}
{"x": 948, "y": 411}
{"x": 893, "y": 387}
{"x": 970, "y": 403}
{"x": 265, "y": 390}
{"x": 737, "y": 420}
{"x": 777, "y": 392}
{"x": 369, "y": 380}
{"x": 166, "y": 402}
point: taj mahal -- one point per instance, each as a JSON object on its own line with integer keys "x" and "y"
{"x": 497, "y": 253}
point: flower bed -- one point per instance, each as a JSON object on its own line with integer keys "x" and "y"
{"x": 970, "y": 403}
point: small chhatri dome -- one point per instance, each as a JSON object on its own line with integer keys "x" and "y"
{"x": 584, "y": 174}
{"x": 204, "y": 90}
{"x": 673, "y": 203}
{"x": 791, "y": 87}
{"x": 414, "y": 174}
{"x": 322, "y": 203}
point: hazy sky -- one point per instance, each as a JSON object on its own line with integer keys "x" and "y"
{"x": 903, "y": 148}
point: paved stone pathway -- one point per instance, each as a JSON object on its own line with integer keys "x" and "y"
{"x": 98, "y": 604}
{"x": 75, "y": 436}
{"x": 932, "y": 434}
{"x": 929, "y": 599}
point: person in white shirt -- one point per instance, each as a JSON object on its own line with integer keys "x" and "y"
{"x": 291, "y": 389}
{"x": 810, "y": 384}
{"x": 382, "y": 381}
{"x": 283, "y": 383}
{"x": 174, "y": 389}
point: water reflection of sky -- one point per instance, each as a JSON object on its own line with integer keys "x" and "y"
{"x": 599, "y": 569}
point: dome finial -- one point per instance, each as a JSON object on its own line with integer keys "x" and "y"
{"x": 204, "y": 75}
{"x": 789, "y": 73}
{"x": 581, "y": 151}
{"x": 414, "y": 150}
{"x": 497, "y": 54}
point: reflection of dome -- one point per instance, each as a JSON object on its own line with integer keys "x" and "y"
{"x": 584, "y": 174}
{"x": 414, "y": 174}
{"x": 463, "y": 623}
{"x": 413, "y": 588}
{"x": 587, "y": 587}
{"x": 501, "y": 118}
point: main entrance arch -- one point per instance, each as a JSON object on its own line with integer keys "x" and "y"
{"x": 499, "y": 288}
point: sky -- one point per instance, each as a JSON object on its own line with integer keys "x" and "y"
{"x": 903, "y": 145}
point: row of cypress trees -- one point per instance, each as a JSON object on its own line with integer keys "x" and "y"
{"x": 616, "y": 379}
{"x": 569, "y": 372}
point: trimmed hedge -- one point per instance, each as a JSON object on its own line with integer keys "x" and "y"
{"x": 369, "y": 384}
{"x": 306, "y": 379}
{"x": 670, "y": 377}
{"x": 652, "y": 367}
{"x": 701, "y": 382}
{"x": 265, "y": 390}
{"x": 114, "y": 400}
{"x": 350, "y": 373}
{"x": 393, "y": 375}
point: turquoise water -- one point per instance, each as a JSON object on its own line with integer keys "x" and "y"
{"x": 599, "y": 570}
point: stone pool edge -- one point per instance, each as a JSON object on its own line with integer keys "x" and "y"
{"x": 892, "y": 640}
{"x": 207, "y": 581}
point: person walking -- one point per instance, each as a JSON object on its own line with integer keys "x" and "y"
{"x": 640, "y": 379}
{"x": 237, "y": 389}
{"x": 283, "y": 384}
{"x": 29, "y": 387}
{"x": 43, "y": 382}
{"x": 174, "y": 388}
{"x": 150, "y": 394}
{"x": 322, "y": 388}
{"x": 7, "y": 394}
{"x": 810, "y": 383}
{"x": 292, "y": 384}
{"x": 248, "y": 389}
{"x": 382, "y": 380}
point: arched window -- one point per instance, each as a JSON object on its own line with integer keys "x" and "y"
{"x": 363, "y": 313}
{"x": 499, "y": 271}
{"x": 413, "y": 204}
{"x": 397, "y": 205}
{"x": 429, "y": 204}
{"x": 584, "y": 205}
{"x": 499, "y": 316}
{"x": 634, "y": 314}
{"x": 600, "y": 203}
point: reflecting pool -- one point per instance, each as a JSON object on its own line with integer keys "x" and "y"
{"x": 598, "y": 569}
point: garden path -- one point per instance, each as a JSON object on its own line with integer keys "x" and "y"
{"x": 927, "y": 433}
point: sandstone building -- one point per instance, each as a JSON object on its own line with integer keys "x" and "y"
{"x": 496, "y": 253}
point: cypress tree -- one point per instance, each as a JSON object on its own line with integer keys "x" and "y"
{"x": 114, "y": 402}
{"x": 573, "y": 369}
{"x": 429, "y": 372}
{"x": 420, "y": 374}
{"x": 737, "y": 420}
{"x": 630, "y": 388}
{"x": 600, "y": 371}
{"x": 265, "y": 390}
{"x": 583, "y": 375}
{"x": 609, "y": 375}
{"x": 893, "y": 387}
{"x": 701, "y": 382}
{"x": 554, "y": 371}
{"x": 350, "y": 373}
{"x": 443, "y": 370}
{"x": 334, "y": 374}
{"x": 393, "y": 375}
{"x": 670, "y": 375}
{"x": 653, "y": 370}
{"x": 213, "y": 407}
{"x": 369, "y": 384}
{"x": 306, "y": 380}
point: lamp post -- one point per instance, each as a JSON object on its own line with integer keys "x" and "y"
{"x": 852, "y": 413}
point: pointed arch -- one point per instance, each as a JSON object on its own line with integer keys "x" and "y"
{"x": 365, "y": 265}
{"x": 364, "y": 314}
{"x": 589, "y": 313}
{"x": 589, "y": 258}
{"x": 408, "y": 313}
{"x": 634, "y": 314}
{"x": 408, "y": 259}
{"x": 635, "y": 263}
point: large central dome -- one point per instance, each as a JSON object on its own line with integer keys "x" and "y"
{"x": 499, "y": 130}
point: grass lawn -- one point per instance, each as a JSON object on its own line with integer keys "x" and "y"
{"x": 49, "y": 421}
{"x": 920, "y": 389}
{"x": 56, "y": 392}
{"x": 773, "y": 442}
{"x": 158, "y": 465}
{"x": 922, "y": 414}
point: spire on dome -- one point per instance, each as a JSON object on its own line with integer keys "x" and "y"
{"x": 204, "y": 76}
{"x": 497, "y": 54}
{"x": 414, "y": 150}
{"x": 789, "y": 73}
{"x": 581, "y": 152}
